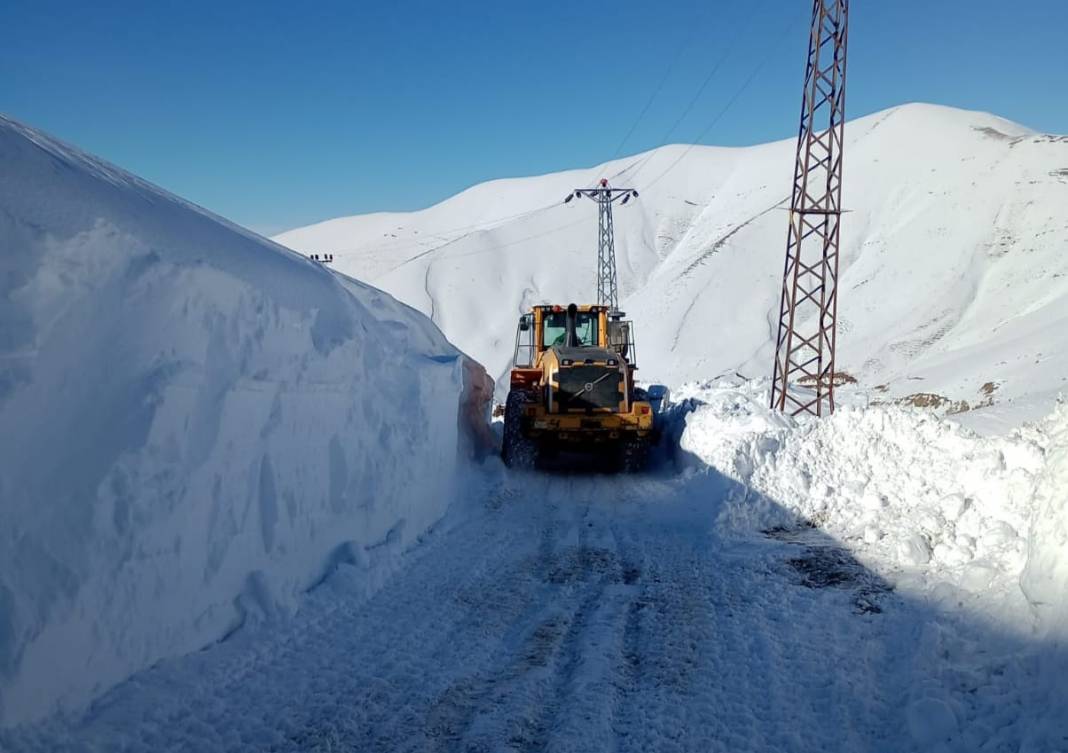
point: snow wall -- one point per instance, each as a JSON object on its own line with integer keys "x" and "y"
{"x": 1045, "y": 579}
{"x": 937, "y": 507}
{"x": 196, "y": 426}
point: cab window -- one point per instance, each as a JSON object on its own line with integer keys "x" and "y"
{"x": 554, "y": 328}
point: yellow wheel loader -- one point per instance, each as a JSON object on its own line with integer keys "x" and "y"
{"x": 572, "y": 388}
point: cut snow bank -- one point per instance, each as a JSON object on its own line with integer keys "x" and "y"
{"x": 196, "y": 425}
{"x": 1045, "y": 579}
{"x": 929, "y": 503}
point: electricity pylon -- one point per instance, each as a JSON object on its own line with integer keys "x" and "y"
{"x": 607, "y": 280}
{"x": 808, "y": 310}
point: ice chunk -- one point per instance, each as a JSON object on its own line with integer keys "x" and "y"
{"x": 952, "y": 505}
{"x": 915, "y": 550}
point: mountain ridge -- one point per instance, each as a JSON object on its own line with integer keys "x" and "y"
{"x": 952, "y": 233}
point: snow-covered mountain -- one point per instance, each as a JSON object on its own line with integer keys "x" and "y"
{"x": 954, "y": 275}
{"x": 196, "y": 425}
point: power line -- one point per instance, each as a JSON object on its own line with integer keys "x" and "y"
{"x": 475, "y": 229}
{"x": 479, "y": 226}
{"x": 700, "y": 91}
{"x": 640, "y": 163}
{"x": 659, "y": 87}
{"x": 517, "y": 241}
{"x": 689, "y": 108}
{"x": 485, "y": 224}
{"x": 730, "y": 103}
{"x": 637, "y": 164}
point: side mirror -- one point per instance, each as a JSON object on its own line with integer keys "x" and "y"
{"x": 524, "y": 325}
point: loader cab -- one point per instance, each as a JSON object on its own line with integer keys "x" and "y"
{"x": 593, "y": 326}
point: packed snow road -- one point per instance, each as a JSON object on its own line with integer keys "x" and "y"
{"x": 582, "y": 613}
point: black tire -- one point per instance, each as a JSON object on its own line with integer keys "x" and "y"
{"x": 517, "y": 451}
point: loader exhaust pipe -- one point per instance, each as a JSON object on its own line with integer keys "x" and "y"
{"x": 571, "y": 325}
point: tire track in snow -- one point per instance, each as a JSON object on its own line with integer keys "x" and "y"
{"x": 524, "y": 699}
{"x": 544, "y": 693}
{"x": 583, "y": 573}
{"x": 578, "y": 613}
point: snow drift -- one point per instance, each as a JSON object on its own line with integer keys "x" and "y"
{"x": 972, "y": 520}
{"x": 974, "y": 527}
{"x": 195, "y": 425}
{"x": 953, "y": 285}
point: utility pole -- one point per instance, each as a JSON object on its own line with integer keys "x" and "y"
{"x": 607, "y": 281}
{"x": 804, "y": 347}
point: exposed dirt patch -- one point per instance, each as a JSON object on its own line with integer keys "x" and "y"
{"x": 838, "y": 378}
{"x": 827, "y": 567}
{"x": 987, "y": 392}
{"x": 824, "y": 565}
{"x": 993, "y": 133}
{"x": 935, "y": 402}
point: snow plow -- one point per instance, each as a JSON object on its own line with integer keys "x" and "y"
{"x": 572, "y": 389}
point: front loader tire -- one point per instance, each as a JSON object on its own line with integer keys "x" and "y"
{"x": 517, "y": 451}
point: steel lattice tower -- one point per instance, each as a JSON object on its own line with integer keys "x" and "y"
{"x": 804, "y": 348}
{"x": 607, "y": 280}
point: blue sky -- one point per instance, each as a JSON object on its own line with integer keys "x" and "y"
{"x": 281, "y": 114}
